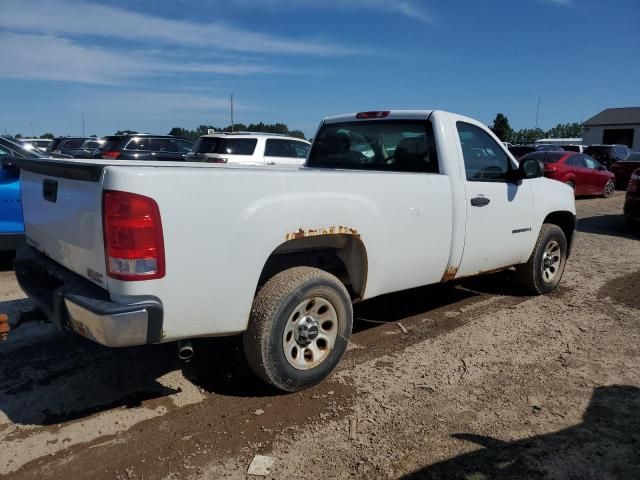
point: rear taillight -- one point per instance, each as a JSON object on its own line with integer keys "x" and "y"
{"x": 550, "y": 171}
{"x": 133, "y": 242}
{"x": 111, "y": 155}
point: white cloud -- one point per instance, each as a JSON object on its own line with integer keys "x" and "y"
{"x": 69, "y": 17}
{"x": 43, "y": 57}
{"x": 413, "y": 9}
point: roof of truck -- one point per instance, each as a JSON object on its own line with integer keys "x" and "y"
{"x": 392, "y": 115}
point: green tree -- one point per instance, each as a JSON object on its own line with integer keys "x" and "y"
{"x": 501, "y": 128}
{"x": 566, "y": 130}
{"x": 17, "y": 136}
{"x": 46, "y": 135}
{"x": 527, "y": 135}
{"x": 297, "y": 134}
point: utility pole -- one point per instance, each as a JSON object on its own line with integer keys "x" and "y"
{"x": 31, "y": 123}
{"x": 83, "y": 125}
{"x": 232, "y": 112}
{"x": 537, "y": 113}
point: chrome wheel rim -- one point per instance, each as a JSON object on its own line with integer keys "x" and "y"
{"x": 609, "y": 188}
{"x": 310, "y": 333}
{"x": 551, "y": 261}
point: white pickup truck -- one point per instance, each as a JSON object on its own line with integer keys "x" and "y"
{"x": 127, "y": 253}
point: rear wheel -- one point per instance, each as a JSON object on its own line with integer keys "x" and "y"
{"x": 609, "y": 188}
{"x": 571, "y": 184}
{"x": 299, "y": 328}
{"x": 542, "y": 273}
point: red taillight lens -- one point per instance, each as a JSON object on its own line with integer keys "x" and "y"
{"x": 367, "y": 115}
{"x": 133, "y": 242}
{"x": 111, "y": 155}
{"x": 550, "y": 171}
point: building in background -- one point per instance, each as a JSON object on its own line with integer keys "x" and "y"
{"x": 614, "y": 125}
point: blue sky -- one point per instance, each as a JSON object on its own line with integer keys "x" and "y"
{"x": 151, "y": 65}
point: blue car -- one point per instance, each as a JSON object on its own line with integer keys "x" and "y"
{"x": 11, "y": 224}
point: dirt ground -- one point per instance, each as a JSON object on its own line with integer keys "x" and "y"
{"x": 486, "y": 383}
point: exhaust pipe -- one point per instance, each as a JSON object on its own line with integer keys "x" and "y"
{"x": 185, "y": 350}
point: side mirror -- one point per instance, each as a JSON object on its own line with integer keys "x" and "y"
{"x": 530, "y": 168}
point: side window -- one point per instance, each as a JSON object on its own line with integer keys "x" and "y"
{"x": 160, "y": 145}
{"x": 73, "y": 144}
{"x": 238, "y": 146}
{"x": 301, "y": 149}
{"x": 279, "y": 148}
{"x": 138, "y": 143}
{"x": 577, "y": 161}
{"x": 484, "y": 160}
{"x": 590, "y": 162}
{"x": 181, "y": 146}
{"x": 91, "y": 145}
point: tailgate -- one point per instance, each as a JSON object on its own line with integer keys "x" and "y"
{"x": 62, "y": 207}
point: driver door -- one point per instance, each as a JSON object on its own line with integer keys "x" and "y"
{"x": 499, "y": 212}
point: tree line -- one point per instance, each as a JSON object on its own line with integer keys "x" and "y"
{"x": 504, "y": 132}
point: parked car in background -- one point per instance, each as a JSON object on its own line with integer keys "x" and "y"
{"x": 250, "y": 148}
{"x": 632, "y": 202}
{"x": 21, "y": 151}
{"x": 521, "y": 150}
{"x": 581, "y": 172}
{"x": 76, "y": 147}
{"x": 144, "y": 146}
{"x": 574, "y": 148}
{"x": 624, "y": 168}
{"x": 608, "y": 154}
{"x": 40, "y": 143}
{"x": 11, "y": 224}
{"x": 549, "y": 147}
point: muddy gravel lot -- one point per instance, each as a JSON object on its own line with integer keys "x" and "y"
{"x": 484, "y": 383}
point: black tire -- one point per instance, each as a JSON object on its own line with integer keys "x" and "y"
{"x": 609, "y": 189}
{"x": 571, "y": 184}
{"x": 531, "y": 275}
{"x": 275, "y": 307}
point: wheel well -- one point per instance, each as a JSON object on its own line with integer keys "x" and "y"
{"x": 566, "y": 221}
{"x": 342, "y": 255}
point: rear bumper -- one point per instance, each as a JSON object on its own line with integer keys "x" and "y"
{"x": 74, "y": 303}
{"x": 11, "y": 241}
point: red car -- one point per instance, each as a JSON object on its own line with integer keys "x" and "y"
{"x": 632, "y": 202}
{"x": 584, "y": 174}
{"x": 624, "y": 168}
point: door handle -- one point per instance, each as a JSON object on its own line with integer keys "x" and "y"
{"x": 479, "y": 201}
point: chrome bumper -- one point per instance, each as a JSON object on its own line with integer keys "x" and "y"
{"x": 74, "y": 303}
{"x": 112, "y": 329}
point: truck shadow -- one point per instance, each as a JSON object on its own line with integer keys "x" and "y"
{"x": 611, "y": 225}
{"x": 6, "y": 261}
{"x": 49, "y": 377}
{"x": 604, "y": 445}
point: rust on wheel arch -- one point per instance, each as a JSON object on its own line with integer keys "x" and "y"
{"x": 314, "y": 232}
{"x": 449, "y": 274}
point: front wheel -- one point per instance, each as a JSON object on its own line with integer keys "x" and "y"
{"x": 542, "y": 273}
{"x": 299, "y": 328}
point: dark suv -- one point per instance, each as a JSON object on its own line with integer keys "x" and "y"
{"x": 144, "y": 146}
{"x": 608, "y": 154}
{"x": 77, "y": 147}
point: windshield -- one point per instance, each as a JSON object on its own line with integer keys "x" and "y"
{"x": 390, "y": 145}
